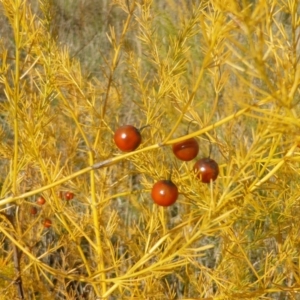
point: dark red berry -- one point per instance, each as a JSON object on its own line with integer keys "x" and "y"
{"x": 47, "y": 223}
{"x": 40, "y": 200}
{"x": 127, "y": 138}
{"x": 164, "y": 193}
{"x": 206, "y": 169}
{"x": 186, "y": 150}
{"x": 33, "y": 210}
{"x": 69, "y": 195}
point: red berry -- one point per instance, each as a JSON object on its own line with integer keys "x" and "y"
{"x": 47, "y": 223}
{"x": 206, "y": 169}
{"x": 33, "y": 210}
{"x": 127, "y": 138}
{"x": 41, "y": 200}
{"x": 186, "y": 150}
{"x": 69, "y": 195}
{"x": 164, "y": 193}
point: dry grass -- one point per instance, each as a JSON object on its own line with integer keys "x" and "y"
{"x": 72, "y": 72}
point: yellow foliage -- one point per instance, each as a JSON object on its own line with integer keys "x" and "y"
{"x": 224, "y": 72}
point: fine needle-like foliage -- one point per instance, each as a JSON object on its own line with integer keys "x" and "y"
{"x": 224, "y": 72}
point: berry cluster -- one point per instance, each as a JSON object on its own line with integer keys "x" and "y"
{"x": 164, "y": 192}
{"x": 40, "y": 201}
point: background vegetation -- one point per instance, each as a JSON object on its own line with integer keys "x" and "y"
{"x": 72, "y": 72}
